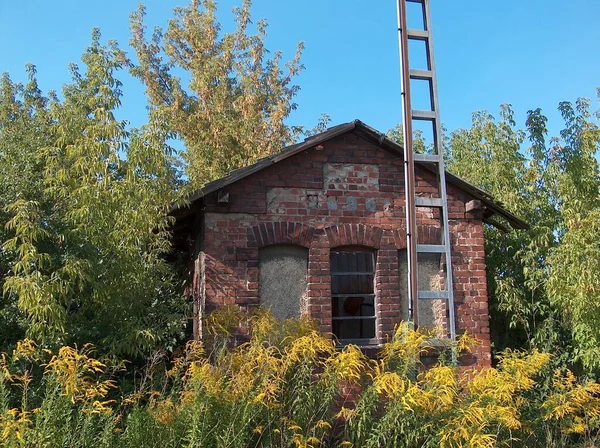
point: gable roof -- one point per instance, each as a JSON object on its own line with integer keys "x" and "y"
{"x": 492, "y": 206}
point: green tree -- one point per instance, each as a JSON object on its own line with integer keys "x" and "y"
{"x": 88, "y": 226}
{"x": 218, "y": 92}
{"x": 574, "y": 274}
{"x": 489, "y": 155}
{"x": 543, "y": 281}
{"x": 84, "y": 200}
{"x": 24, "y": 127}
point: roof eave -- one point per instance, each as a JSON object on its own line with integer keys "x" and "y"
{"x": 382, "y": 140}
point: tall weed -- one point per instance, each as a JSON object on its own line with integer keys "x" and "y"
{"x": 289, "y": 386}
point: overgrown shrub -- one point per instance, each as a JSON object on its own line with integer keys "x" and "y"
{"x": 284, "y": 387}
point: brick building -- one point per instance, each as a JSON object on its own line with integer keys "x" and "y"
{"x": 319, "y": 228}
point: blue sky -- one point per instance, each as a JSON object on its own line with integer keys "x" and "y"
{"x": 530, "y": 53}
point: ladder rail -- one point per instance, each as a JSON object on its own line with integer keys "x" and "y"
{"x": 409, "y": 166}
{"x": 449, "y": 283}
{"x": 428, "y": 74}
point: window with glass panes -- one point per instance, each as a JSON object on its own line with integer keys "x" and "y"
{"x": 353, "y": 295}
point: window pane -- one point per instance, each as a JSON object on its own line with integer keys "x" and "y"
{"x": 369, "y": 261}
{"x": 343, "y": 263}
{"x": 354, "y": 306}
{"x": 335, "y": 285}
{"x": 366, "y": 283}
{"x": 346, "y": 262}
{"x": 352, "y": 262}
{"x": 354, "y": 329}
{"x": 344, "y": 285}
{"x": 334, "y": 263}
{"x": 362, "y": 262}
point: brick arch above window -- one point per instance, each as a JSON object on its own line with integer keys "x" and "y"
{"x": 280, "y": 232}
{"x": 425, "y": 235}
{"x": 354, "y": 235}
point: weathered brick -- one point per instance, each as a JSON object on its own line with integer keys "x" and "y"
{"x": 349, "y": 193}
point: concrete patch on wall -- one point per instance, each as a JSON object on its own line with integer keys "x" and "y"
{"x": 371, "y": 205}
{"x": 432, "y": 316}
{"x": 283, "y": 279}
{"x": 351, "y": 204}
{"x": 388, "y": 205}
{"x": 332, "y": 203}
{"x": 218, "y": 221}
{"x": 281, "y": 200}
{"x": 312, "y": 200}
{"x": 351, "y": 176}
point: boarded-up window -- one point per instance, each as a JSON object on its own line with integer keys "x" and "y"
{"x": 353, "y": 295}
{"x": 282, "y": 280}
{"x": 432, "y": 313}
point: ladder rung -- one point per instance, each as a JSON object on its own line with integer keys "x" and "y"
{"x": 415, "y": 1}
{"x": 423, "y": 114}
{"x": 429, "y": 202}
{"x": 433, "y": 294}
{"x": 426, "y": 75}
{"x": 418, "y": 34}
{"x": 431, "y": 158}
{"x": 431, "y": 248}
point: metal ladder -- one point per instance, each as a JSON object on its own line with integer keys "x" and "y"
{"x": 435, "y": 160}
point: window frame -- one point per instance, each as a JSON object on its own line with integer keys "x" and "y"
{"x": 372, "y": 253}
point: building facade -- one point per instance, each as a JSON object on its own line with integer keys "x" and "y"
{"x": 320, "y": 229}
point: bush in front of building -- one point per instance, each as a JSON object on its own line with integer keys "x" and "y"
{"x": 290, "y": 386}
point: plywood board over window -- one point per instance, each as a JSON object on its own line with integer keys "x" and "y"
{"x": 282, "y": 280}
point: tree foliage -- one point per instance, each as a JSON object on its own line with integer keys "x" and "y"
{"x": 220, "y": 93}
{"x": 85, "y": 212}
{"x": 543, "y": 282}
{"x": 84, "y": 199}
{"x": 24, "y": 127}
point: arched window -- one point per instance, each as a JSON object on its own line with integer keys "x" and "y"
{"x": 353, "y": 295}
{"x": 282, "y": 280}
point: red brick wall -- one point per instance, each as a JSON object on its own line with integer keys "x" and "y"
{"x": 348, "y": 192}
